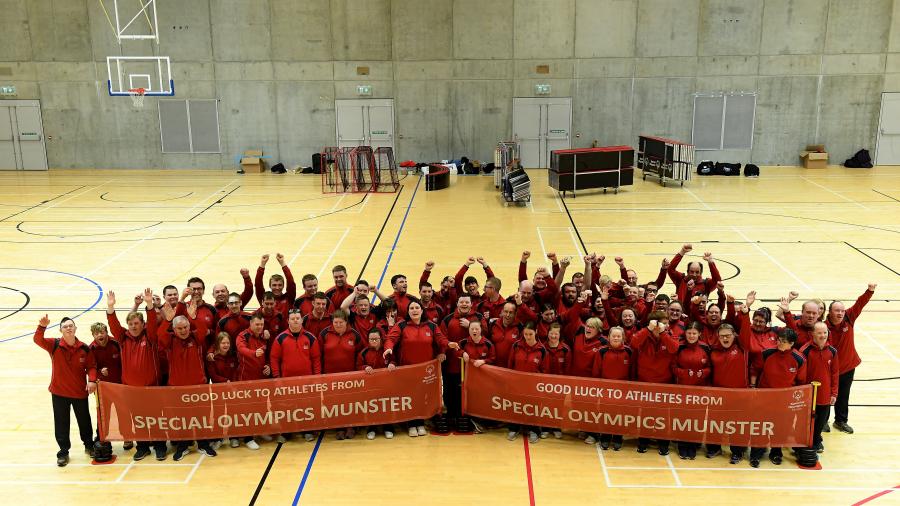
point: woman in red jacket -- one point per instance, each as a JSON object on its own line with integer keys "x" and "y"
{"x": 730, "y": 369}
{"x": 613, "y": 362}
{"x": 528, "y": 355}
{"x": 476, "y": 350}
{"x": 418, "y": 340}
{"x": 369, "y": 359}
{"x": 340, "y": 345}
{"x": 691, "y": 367}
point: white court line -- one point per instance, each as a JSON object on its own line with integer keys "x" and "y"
{"x": 692, "y": 194}
{"x": 543, "y": 248}
{"x": 336, "y": 204}
{"x": 333, "y": 251}
{"x": 125, "y": 471}
{"x": 194, "y": 470}
{"x": 581, "y": 253}
{"x": 303, "y": 247}
{"x": 603, "y": 466}
{"x": 834, "y": 192}
{"x": 215, "y": 193}
{"x": 752, "y": 470}
{"x": 90, "y": 483}
{"x": 54, "y": 204}
{"x": 558, "y": 200}
{"x": 885, "y": 350}
{"x": 366, "y": 200}
{"x": 14, "y": 465}
{"x": 674, "y": 472}
{"x": 772, "y": 259}
{"x": 761, "y": 487}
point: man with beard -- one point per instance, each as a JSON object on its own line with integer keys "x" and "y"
{"x": 694, "y": 272}
{"x": 283, "y": 286}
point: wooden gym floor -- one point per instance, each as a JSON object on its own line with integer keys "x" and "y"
{"x": 69, "y": 236}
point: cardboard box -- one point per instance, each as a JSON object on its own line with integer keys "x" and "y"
{"x": 814, "y": 157}
{"x": 252, "y": 161}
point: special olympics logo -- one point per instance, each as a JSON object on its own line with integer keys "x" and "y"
{"x": 798, "y": 395}
{"x": 429, "y": 370}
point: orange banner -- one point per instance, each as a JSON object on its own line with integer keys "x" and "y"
{"x": 284, "y": 405}
{"x": 741, "y": 417}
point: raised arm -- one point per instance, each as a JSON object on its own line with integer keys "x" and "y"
{"x": 715, "y": 277}
{"x": 560, "y": 275}
{"x": 426, "y": 273}
{"x": 247, "y": 294}
{"x": 523, "y": 266}
{"x": 857, "y": 307}
{"x": 674, "y": 275}
{"x": 115, "y": 327}
{"x": 661, "y": 277}
{"x": 260, "y": 271}
{"x": 290, "y": 286}
{"x": 39, "y": 339}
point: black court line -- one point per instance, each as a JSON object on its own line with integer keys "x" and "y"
{"x": 19, "y": 228}
{"x": 18, "y": 309}
{"x": 870, "y": 257}
{"x": 104, "y": 194}
{"x": 875, "y": 405}
{"x": 265, "y": 475}
{"x": 879, "y": 379}
{"x": 218, "y": 201}
{"x": 575, "y": 227}
{"x": 885, "y": 194}
{"x": 42, "y": 203}
{"x": 719, "y": 242}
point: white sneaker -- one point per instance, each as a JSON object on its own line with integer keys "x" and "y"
{"x": 281, "y": 439}
{"x": 235, "y": 442}
{"x": 253, "y": 445}
{"x": 421, "y": 430}
{"x": 544, "y": 434}
{"x": 557, "y": 434}
{"x": 533, "y": 437}
{"x": 589, "y": 440}
{"x": 370, "y": 434}
{"x": 413, "y": 432}
{"x": 511, "y": 435}
{"x": 309, "y": 437}
{"x": 390, "y": 434}
{"x": 267, "y": 438}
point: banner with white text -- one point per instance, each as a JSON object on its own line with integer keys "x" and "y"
{"x": 742, "y": 417}
{"x": 272, "y": 406}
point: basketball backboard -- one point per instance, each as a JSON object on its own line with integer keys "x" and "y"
{"x": 152, "y": 73}
{"x": 136, "y": 20}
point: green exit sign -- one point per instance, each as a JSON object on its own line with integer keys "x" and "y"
{"x": 8, "y": 91}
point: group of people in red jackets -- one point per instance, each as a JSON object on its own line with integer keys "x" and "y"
{"x": 586, "y": 324}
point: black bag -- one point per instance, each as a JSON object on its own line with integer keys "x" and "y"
{"x": 278, "y": 168}
{"x": 861, "y": 160}
{"x": 706, "y": 168}
{"x": 488, "y": 168}
{"x": 316, "y": 163}
{"x": 727, "y": 169}
{"x": 751, "y": 170}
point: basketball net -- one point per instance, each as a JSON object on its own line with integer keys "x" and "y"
{"x": 137, "y": 97}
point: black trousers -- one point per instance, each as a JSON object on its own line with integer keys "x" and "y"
{"x": 61, "y": 421}
{"x": 712, "y": 448}
{"x": 758, "y": 453}
{"x": 822, "y": 414}
{"x": 157, "y": 445}
{"x": 662, "y": 443}
{"x": 842, "y": 405}
{"x": 453, "y": 394}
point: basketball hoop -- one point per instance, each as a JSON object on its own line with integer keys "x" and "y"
{"x": 137, "y": 97}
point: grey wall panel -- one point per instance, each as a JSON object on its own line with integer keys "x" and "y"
{"x": 667, "y": 27}
{"x": 858, "y": 26}
{"x": 730, "y": 27}
{"x": 482, "y": 29}
{"x": 544, "y": 29}
{"x": 793, "y": 26}
{"x": 174, "y": 126}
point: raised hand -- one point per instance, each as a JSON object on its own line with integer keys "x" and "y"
{"x": 280, "y": 258}
{"x": 245, "y": 272}
{"x": 785, "y": 304}
{"x": 470, "y": 261}
{"x": 168, "y": 312}
{"x": 138, "y": 299}
{"x": 480, "y": 260}
{"x": 720, "y": 286}
{"x": 665, "y": 263}
{"x": 600, "y": 260}
{"x": 526, "y": 255}
{"x": 793, "y": 295}
{"x": 873, "y": 286}
{"x": 263, "y": 260}
{"x": 707, "y": 257}
{"x": 729, "y": 298}
{"x": 187, "y": 292}
{"x": 44, "y": 321}
{"x": 518, "y": 298}
{"x": 552, "y": 256}
{"x": 147, "y": 297}
{"x": 192, "y": 309}
{"x": 111, "y": 299}
{"x": 751, "y": 298}
{"x": 429, "y": 265}
{"x": 619, "y": 261}
{"x": 566, "y": 261}
{"x": 685, "y": 249}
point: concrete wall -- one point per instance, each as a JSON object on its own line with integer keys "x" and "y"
{"x": 453, "y": 67}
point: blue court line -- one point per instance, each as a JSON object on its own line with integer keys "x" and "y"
{"x": 397, "y": 239}
{"x": 312, "y": 457}
{"x": 96, "y": 302}
{"x": 309, "y": 464}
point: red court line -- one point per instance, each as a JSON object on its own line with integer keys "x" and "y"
{"x": 528, "y": 471}
{"x": 867, "y": 499}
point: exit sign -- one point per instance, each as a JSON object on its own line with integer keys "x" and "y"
{"x": 8, "y": 91}
{"x": 364, "y": 90}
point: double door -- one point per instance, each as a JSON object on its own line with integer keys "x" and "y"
{"x": 366, "y": 122}
{"x": 21, "y": 136}
{"x": 541, "y": 125}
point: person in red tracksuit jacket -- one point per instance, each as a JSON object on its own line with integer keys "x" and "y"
{"x": 221, "y": 294}
{"x": 187, "y": 350}
{"x": 140, "y": 356}
{"x": 803, "y": 325}
{"x": 253, "y": 358}
{"x": 295, "y": 352}
{"x": 613, "y": 362}
{"x": 235, "y": 321}
{"x": 223, "y": 367}
{"x": 108, "y": 356}
{"x": 756, "y": 326}
{"x": 73, "y": 377}
{"x": 560, "y": 358}
{"x": 730, "y": 369}
{"x": 822, "y": 365}
{"x": 476, "y": 350}
{"x": 456, "y": 327}
{"x": 337, "y": 293}
{"x": 783, "y": 367}
{"x": 276, "y": 321}
{"x": 433, "y": 311}
{"x": 369, "y": 359}
{"x": 528, "y": 355}
{"x": 655, "y": 348}
{"x": 283, "y": 287}
{"x": 340, "y": 345}
{"x": 319, "y": 318}
{"x": 691, "y": 367}
{"x": 362, "y": 319}
{"x": 419, "y": 340}
{"x": 694, "y": 273}
{"x": 504, "y": 331}
{"x": 840, "y": 323}
{"x": 584, "y": 347}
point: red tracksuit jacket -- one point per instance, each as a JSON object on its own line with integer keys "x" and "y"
{"x": 339, "y": 350}
{"x": 706, "y": 285}
{"x": 503, "y": 339}
{"x": 456, "y": 333}
{"x": 223, "y": 368}
{"x": 284, "y": 301}
{"x": 759, "y": 341}
{"x": 584, "y": 354}
{"x": 433, "y": 312}
{"x": 363, "y": 324}
{"x": 731, "y": 367}
{"x": 250, "y": 367}
{"x": 295, "y": 354}
{"x": 187, "y": 357}
{"x": 613, "y": 363}
{"x": 372, "y": 358}
{"x": 315, "y": 325}
{"x": 822, "y": 365}
{"x": 305, "y": 304}
{"x": 782, "y": 369}
{"x": 140, "y": 356}
{"x": 841, "y": 335}
{"x": 525, "y": 358}
{"x": 337, "y": 294}
{"x": 692, "y": 364}
{"x": 222, "y": 309}
{"x": 491, "y": 309}
{"x": 234, "y": 325}
{"x": 654, "y": 355}
{"x": 560, "y": 358}
{"x": 110, "y": 357}
{"x": 70, "y": 365}
{"x": 416, "y": 342}
{"x": 482, "y": 350}
{"x": 447, "y": 301}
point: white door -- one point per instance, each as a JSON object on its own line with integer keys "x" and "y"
{"x": 887, "y": 151}
{"x": 31, "y": 138}
{"x": 365, "y": 123}
{"x": 541, "y": 125}
{"x": 7, "y": 143}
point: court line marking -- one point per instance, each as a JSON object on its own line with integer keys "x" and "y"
{"x": 124, "y": 471}
{"x": 581, "y": 253}
{"x": 194, "y": 469}
{"x": 833, "y": 192}
{"x": 90, "y": 188}
{"x": 334, "y": 250}
{"x": 750, "y": 469}
{"x": 674, "y": 472}
{"x": 543, "y": 248}
{"x": 698, "y": 199}
{"x": 309, "y": 465}
{"x": 756, "y": 487}
{"x": 772, "y": 259}
{"x": 399, "y": 231}
{"x": 303, "y": 246}
{"x": 51, "y": 482}
{"x": 528, "y": 469}
{"x": 876, "y": 496}
{"x": 883, "y": 348}
{"x": 603, "y": 466}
